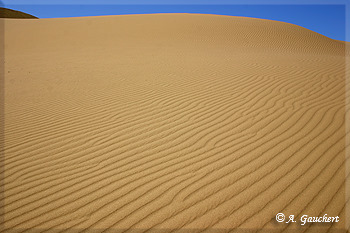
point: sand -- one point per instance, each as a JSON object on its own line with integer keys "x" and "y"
{"x": 165, "y": 122}
{"x": 9, "y": 13}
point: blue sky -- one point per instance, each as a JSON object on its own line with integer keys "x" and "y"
{"x": 326, "y": 17}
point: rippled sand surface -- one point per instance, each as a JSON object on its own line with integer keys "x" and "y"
{"x": 171, "y": 122}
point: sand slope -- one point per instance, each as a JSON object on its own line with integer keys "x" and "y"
{"x": 171, "y": 121}
{"x": 9, "y": 13}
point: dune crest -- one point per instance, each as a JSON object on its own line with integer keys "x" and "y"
{"x": 171, "y": 121}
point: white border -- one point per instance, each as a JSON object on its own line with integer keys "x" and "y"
{"x": 234, "y": 2}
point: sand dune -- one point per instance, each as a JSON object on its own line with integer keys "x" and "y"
{"x": 9, "y": 13}
{"x": 165, "y": 122}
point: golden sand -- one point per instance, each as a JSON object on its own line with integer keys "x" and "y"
{"x": 171, "y": 121}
